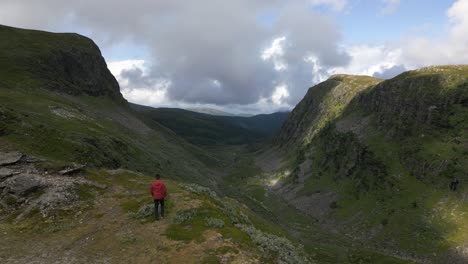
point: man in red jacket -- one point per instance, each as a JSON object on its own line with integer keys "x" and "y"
{"x": 159, "y": 192}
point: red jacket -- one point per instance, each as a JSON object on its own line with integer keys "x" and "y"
{"x": 158, "y": 190}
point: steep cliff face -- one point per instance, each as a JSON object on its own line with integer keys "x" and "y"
{"x": 63, "y": 62}
{"x": 426, "y": 112}
{"x": 383, "y": 160}
{"x": 417, "y": 100}
{"x": 322, "y": 103}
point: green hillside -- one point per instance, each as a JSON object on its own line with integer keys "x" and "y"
{"x": 358, "y": 172}
{"x": 59, "y": 101}
{"x": 376, "y": 163}
{"x": 206, "y": 129}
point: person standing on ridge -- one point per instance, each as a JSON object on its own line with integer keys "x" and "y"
{"x": 158, "y": 192}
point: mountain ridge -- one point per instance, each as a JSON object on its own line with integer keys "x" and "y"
{"x": 206, "y": 129}
{"x": 385, "y": 158}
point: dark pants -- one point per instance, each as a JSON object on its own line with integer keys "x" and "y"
{"x": 156, "y": 204}
{"x": 453, "y": 186}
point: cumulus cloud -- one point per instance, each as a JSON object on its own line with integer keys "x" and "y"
{"x": 201, "y": 52}
{"x": 137, "y": 85}
{"x": 370, "y": 60}
{"x": 275, "y": 54}
{"x": 280, "y": 94}
{"x": 228, "y": 53}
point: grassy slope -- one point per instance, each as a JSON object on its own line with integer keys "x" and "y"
{"x": 114, "y": 226}
{"x": 246, "y": 182}
{"x": 391, "y": 162}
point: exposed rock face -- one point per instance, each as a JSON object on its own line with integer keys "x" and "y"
{"x": 23, "y": 187}
{"x": 417, "y": 100}
{"x": 321, "y": 104}
{"x": 63, "y": 62}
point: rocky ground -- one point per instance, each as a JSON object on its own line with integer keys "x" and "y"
{"x": 106, "y": 216}
{"x": 25, "y": 187}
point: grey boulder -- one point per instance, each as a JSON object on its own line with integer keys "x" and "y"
{"x": 22, "y": 184}
{"x": 7, "y": 158}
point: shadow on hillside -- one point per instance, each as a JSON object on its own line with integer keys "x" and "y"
{"x": 406, "y": 110}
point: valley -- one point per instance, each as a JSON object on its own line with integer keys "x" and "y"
{"x": 358, "y": 172}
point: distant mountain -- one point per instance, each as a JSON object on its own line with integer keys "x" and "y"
{"x": 209, "y": 111}
{"x": 207, "y": 129}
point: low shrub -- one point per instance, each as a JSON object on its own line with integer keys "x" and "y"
{"x": 195, "y": 188}
{"x": 184, "y": 216}
{"x": 234, "y": 214}
{"x": 270, "y": 244}
{"x": 145, "y": 211}
{"x": 214, "y": 222}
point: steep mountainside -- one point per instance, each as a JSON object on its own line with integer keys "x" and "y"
{"x": 322, "y": 103}
{"x": 59, "y": 101}
{"x": 205, "y": 129}
{"x": 375, "y": 164}
{"x": 68, "y": 63}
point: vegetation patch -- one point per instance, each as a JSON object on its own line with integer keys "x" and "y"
{"x": 271, "y": 245}
{"x": 214, "y": 222}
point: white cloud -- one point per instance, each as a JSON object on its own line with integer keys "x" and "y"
{"x": 369, "y": 60}
{"x": 153, "y": 92}
{"x": 152, "y": 96}
{"x": 136, "y": 85}
{"x": 336, "y": 5}
{"x": 450, "y": 48}
{"x": 280, "y": 94}
{"x": 192, "y": 43}
{"x": 275, "y": 54}
{"x": 319, "y": 72}
{"x": 379, "y": 61}
{"x": 389, "y": 6}
{"x": 211, "y": 52}
{"x": 116, "y": 67}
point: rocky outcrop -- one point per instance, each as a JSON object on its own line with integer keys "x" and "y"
{"x": 24, "y": 187}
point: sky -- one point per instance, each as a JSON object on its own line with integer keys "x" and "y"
{"x": 251, "y": 56}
